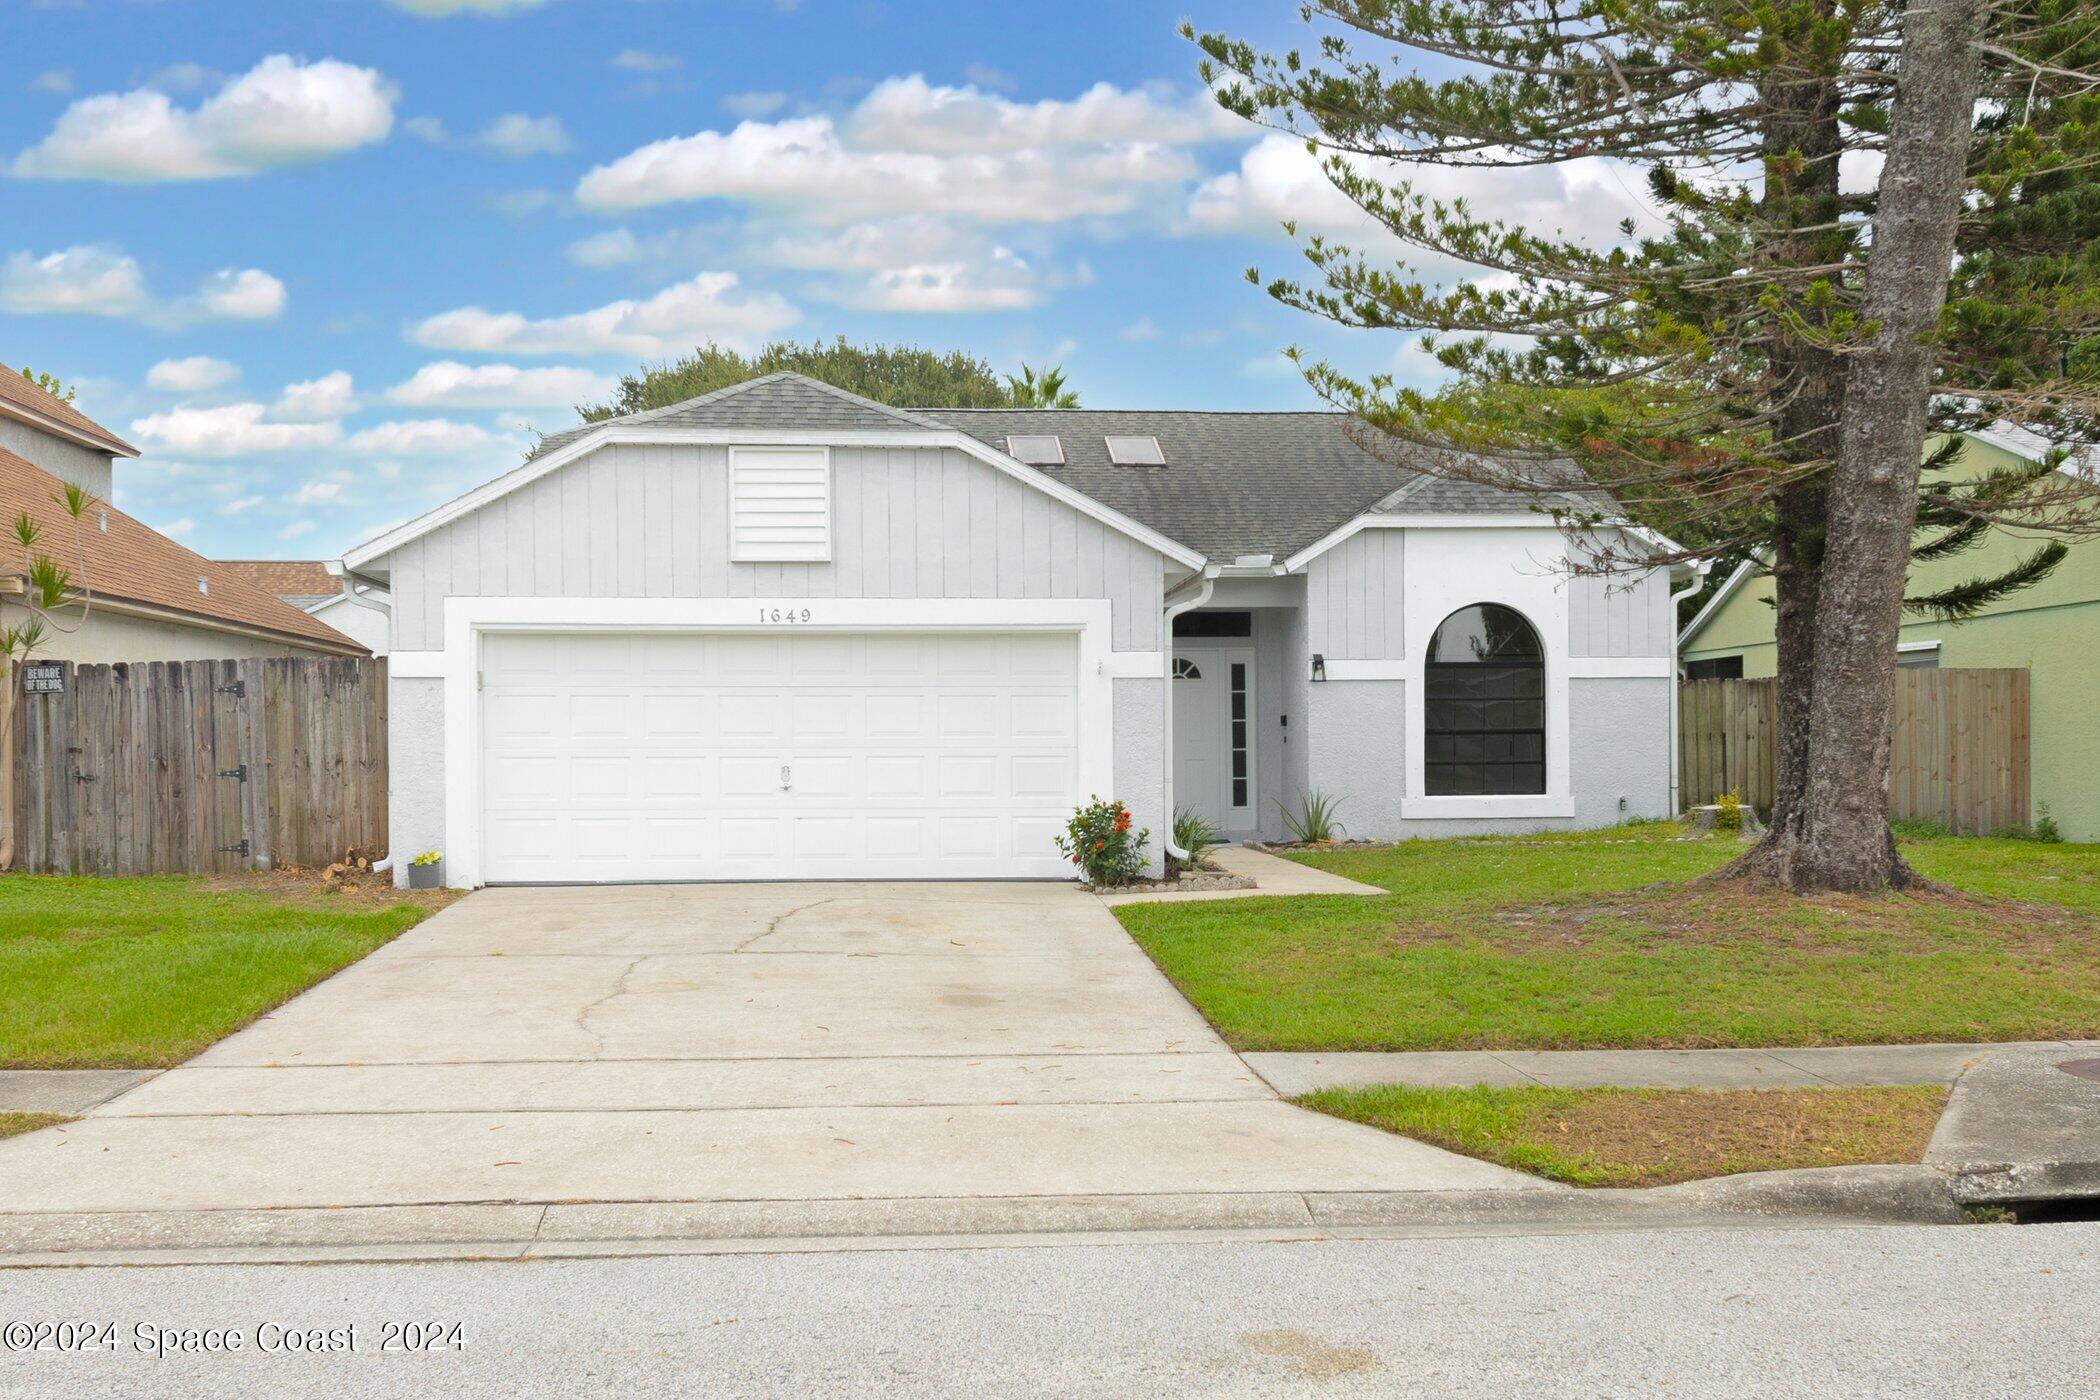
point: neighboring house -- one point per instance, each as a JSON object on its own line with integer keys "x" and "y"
{"x": 2052, "y": 629}
{"x": 780, "y": 631}
{"x": 150, "y": 598}
{"x": 308, "y": 586}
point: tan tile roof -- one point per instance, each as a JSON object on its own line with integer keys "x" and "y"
{"x": 287, "y": 578}
{"x": 137, "y": 564}
{"x": 16, "y": 390}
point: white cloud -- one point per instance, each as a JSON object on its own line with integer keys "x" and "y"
{"x": 56, "y": 81}
{"x": 281, "y": 112}
{"x": 90, "y": 280}
{"x": 317, "y": 400}
{"x": 1002, "y": 282}
{"x": 911, "y": 148}
{"x": 176, "y": 529}
{"x": 513, "y": 134}
{"x": 233, "y": 430}
{"x": 1139, "y": 331}
{"x": 711, "y": 306}
{"x": 643, "y": 61}
{"x": 516, "y": 134}
{"x": 445, "y": 9}
{"x": 1278, "y": 180}
{"x": 753, "y": 105}
{"x": 613, "y": 248}
{"x": 450, "y": 384}
{"x": 241, "y": 294}
{"x": 910, "y": 114}
{"x": 241, "y": 506}
{"x": 419, "y": 437}
{"x": 294, "y": 530}
{"x": 195, "y": 374}
{"x": 317, "y": 493}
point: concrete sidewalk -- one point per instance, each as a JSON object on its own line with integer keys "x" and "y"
{"x": 1292, "y": 1074}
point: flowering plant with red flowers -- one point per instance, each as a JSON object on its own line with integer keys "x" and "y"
{"x": 1101, "y": 842}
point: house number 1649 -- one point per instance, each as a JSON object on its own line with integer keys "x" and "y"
{"x": 783, "y": 614}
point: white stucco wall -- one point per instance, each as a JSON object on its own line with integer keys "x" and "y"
{"x": 63, "y": 458}
{"x": 106, "y": 636}
{"x": 362, "y": 625}
{"x": 415, "y": 768}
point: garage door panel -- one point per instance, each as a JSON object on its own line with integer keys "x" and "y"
{"x": 661, "y": 756}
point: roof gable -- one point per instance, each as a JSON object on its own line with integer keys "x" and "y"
{"x": 21, "y": 399}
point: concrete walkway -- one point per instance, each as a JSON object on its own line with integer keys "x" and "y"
{"x": 1292, "y": 1074}
{"x": 1272, "y": 875}
{"x": 67, "y": 1091}
{"x": 742, "y": 1044}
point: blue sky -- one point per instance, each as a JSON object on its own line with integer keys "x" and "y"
{"x": 326, "y": 261}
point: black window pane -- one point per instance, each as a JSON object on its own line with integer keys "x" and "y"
{"x": 1239, "y": 792}
{"x": 1484, "y": 707}
{"x": 1214, "y": 624}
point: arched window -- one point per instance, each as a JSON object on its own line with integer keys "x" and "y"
{"x": 1186, "y": 670}
{"x": 1484, "y": 711}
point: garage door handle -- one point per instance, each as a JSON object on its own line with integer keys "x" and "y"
{"x": 787, "y": 777}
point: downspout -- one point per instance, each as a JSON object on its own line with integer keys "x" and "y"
{"x": 1208, "y": 580}
{"x": 1677, "y": 686}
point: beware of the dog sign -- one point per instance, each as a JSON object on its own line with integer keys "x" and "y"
{"x": 44, "y": 678}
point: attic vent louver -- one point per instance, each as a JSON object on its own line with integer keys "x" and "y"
{"x": 1135, "y": 452}
{"x": 1036, "y": 449}
{"x": 203, "y": 584}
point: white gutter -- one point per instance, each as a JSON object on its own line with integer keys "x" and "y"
{"x": 1208, "y": 581}
{"x": 348, "y": 583}
{"x": 1699, "y": 572}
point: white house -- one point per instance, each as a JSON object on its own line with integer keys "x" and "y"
{"x": 783, "y": 632}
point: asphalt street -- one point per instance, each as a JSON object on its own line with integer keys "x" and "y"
{"x": 1912, "y": 1311}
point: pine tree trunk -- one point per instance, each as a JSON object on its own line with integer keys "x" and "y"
{"x": 1802, "y": 141}
{"x": 1842, "y": 840}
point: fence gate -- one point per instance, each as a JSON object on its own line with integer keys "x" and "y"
{"x": 201, "y": 767}
{"x": 1959, "y": 751}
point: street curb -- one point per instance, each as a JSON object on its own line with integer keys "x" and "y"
{"x": 514, "y": 1230}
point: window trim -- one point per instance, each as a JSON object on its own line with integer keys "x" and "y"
{"x": 1537, "y": 663}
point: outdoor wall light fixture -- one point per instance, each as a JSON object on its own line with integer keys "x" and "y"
{"x": 1319, "y": 667}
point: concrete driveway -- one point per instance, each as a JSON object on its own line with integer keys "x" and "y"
{"x": 721, "y": 1043}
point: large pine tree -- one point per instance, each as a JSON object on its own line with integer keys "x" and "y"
{"x": 1760, "y": 372}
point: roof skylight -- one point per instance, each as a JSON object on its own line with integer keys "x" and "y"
{"x": 1036, "y": 449}
{"x": 1135, "y": 452}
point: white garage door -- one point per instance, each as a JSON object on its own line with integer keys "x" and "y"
{"x": 651, "y": 756}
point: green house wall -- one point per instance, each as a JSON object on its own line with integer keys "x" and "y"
{"x": 2052, "y": 629}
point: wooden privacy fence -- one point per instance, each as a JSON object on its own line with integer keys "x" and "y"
{"x": 1959, "y": 756}
{"x": 200, "y": 767}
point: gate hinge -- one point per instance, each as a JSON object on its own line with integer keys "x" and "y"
{"x": 238, "y": 690}
{"x": 240, "y": 772}
{"x": 239, "y": 848}
{"x": 80, "y": 777}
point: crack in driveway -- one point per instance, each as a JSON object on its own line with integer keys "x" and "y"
{"x": 781, "y": 918}
{"x": 619, "y": 989}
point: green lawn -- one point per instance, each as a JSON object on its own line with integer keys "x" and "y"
{"x": 148, "y": 971}
{"x": 1653, "y": 1137}
{"x": 1595, "y": 941}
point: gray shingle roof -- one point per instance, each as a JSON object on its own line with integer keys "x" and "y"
{"x": 1233, "y": 484}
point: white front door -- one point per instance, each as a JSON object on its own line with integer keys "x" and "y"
{"x": 634, "y": 756}
{"x": 1213, "y": 734}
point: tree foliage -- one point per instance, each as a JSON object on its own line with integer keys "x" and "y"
{"x": 903, "y": 376}
{"x": 1754, "y": 366}
{"x": 49, "y": 383}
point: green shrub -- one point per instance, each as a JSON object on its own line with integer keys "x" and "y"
{"x": 1314, "y": 820}
{"x": 1728, "y": 814}
{"x": 1194, "y": 834}
{"x": 1100, "y": 841}
{"x": 2045, "y": 827}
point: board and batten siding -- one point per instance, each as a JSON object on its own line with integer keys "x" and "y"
{"x": 652, "y": 521}
{"x": 1355, "y": 598}
{"x": 1616, "y": 615}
